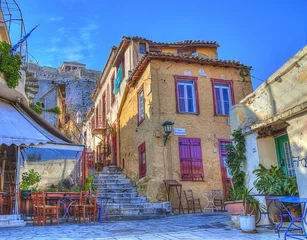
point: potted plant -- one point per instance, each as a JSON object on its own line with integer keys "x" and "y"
{"x": 250, "y": 206}
{"x": 274, "y": 182}
{"x": 29, "y": 182}
{"x": 89, "y": 183}
{"x": 235, "y": 159}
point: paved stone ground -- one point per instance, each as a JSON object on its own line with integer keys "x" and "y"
{"x": 184, "y": 227}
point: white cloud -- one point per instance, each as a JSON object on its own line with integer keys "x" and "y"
{"x": 71, "y": 44}
{"x": 55, "y": 18}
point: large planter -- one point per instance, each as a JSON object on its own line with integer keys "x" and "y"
{"x": 237, "y": 208}
{"x": 248, "y": 223}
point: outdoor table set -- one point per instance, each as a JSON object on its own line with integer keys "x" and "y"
{"x": 285, "y": 206}
{"x": 71, "y": 206}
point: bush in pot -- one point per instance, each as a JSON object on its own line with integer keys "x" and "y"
{"x": 235, "y": 159}
{"x": 250, "y": 206}
{"x": 29, "y": 181}
{"x": 274, "y": 182}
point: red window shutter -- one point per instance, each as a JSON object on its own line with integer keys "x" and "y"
{"x": 142, "y": 160}
{"x": 191, "y": 164}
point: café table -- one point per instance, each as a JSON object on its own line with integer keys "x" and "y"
{"x": 103, "y": 202}
{"x": 295, "y": 201}
{"x": 67, "y": 199}
{"x": 282, "y": 213}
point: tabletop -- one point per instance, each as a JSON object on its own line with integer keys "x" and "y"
{"x": 293, "y": 200}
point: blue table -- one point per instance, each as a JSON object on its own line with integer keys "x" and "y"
{"x": 295, "y": 201}
{"x": 276, "y": 201}
{"x": 103, "y": 202}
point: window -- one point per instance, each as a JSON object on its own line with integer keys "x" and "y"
{"x": 141, "y": 109}
{"x": 142, "y": 48}
{"x": 187, "y": 97}
{"x": 191, "y": 163}
{"x": 142, "y": 160}
{"x": 223, "y": 96}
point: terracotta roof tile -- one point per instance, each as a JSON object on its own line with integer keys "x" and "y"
{"x": 181, "y": 58}
{"x": 185, "y": 42}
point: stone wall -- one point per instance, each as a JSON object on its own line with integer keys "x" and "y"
{"x": 79, "y": 89}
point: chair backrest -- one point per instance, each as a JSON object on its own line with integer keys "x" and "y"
{"x": 38, "y": 199}
{"x": 217, "y": 194}
{"x": 188, "y": 194}
{"x": 93, "y": 198}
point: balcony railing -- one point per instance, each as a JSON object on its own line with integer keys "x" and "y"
{"x": 98, "y": 125}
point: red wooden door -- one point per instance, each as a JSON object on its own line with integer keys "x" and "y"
{"x": 142, "y": 160}
{"x": 191, "y": 163}
{"x": 226, "y": 176}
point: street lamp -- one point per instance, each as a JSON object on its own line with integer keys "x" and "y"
{"x": 168, "y": 128}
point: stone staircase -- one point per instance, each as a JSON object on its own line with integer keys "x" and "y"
{"x": 125, "y": 204}
{"x": 11, "y": 221}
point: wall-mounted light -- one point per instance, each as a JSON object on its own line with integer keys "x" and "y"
{"x": 168, "y": 128}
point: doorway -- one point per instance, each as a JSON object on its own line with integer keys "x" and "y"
{"x": 225, "y": 171}
{"x": 284, "y": 155}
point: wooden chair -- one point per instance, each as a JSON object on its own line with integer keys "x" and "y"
{"x": 87, "y": 206}
{"x": 218, "y": 200}
{"x": 191, "y": 201}
{"x": 41, "y": 211}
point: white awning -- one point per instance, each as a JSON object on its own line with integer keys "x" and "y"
{"x": 16, "y": 127}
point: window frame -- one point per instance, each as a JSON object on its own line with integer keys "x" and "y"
{"x": 140, "y": 120}
{"x": 179, "y": 78}
{"x": 144, "y": 44}
{"x": 232, "y": 99}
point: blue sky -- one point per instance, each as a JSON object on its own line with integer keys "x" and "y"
{"x": 261, "y": 33}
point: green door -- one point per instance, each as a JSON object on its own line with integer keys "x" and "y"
{"x": 284, "y": 155}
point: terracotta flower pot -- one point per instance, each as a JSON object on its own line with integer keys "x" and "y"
{"x": 237, "y": 208}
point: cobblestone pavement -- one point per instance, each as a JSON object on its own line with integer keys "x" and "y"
{"x": 188, "y": 226}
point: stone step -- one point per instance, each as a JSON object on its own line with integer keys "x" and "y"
{"x": 111, "y": 177}
{"x": 113, "y": 186}
{"x": 116, "y": 190}
{"x": 135, "y": 217}
{"x": 134, "y": 205}
{"x": 136, "y": 211}
{"x": 118, "y": 195}
{"x": 10, "y": 217}
{"x": 109, "y": 174}
{"x": 124, "y": 200}
{"x": 114, "y": 181}
{"x": 12, "y": 223}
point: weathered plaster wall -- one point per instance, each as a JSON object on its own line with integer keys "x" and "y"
{"x": 51, "y": 171}
{"x": 160, "y": 105}
{"x": 267, "y": 151}
{"x": 297, "y": 132}
{"x": 282, "y": 99}
{"x": 285, "y": 89}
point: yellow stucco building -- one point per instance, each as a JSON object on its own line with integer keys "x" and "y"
{"x": 184, "y": 83}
